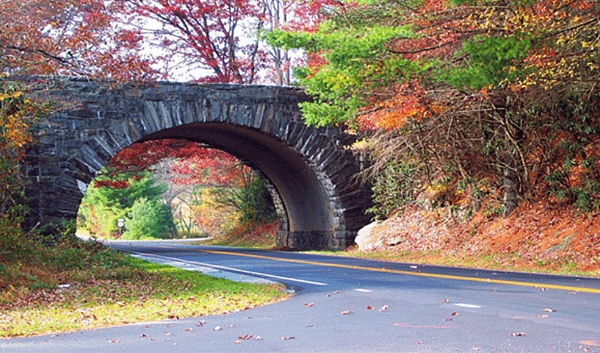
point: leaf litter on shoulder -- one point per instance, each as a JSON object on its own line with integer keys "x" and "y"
{"x": 155, "y": 292}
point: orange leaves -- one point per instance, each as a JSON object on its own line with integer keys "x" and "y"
{"x": 410, "y": 103}
{"x": 16, "y": 115}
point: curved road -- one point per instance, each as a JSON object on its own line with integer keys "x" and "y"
{"x": 356, "y": 305}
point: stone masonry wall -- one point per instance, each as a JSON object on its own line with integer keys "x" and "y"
{"x": 95, "y": 121}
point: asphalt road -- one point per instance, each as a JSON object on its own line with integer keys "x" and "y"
{"x": 355, "y": 305}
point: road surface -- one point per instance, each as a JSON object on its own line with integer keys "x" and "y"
{"x": 357, "y": 305}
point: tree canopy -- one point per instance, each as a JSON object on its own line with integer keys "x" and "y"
{"x": 501, "y": 90}
{"x": 69, "y": 37}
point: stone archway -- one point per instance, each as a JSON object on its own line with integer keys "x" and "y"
{"x": 319, "y": 204}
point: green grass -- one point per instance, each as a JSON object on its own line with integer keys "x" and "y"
{"x": 63, "y": 284}
{"x": 152, "y": 292}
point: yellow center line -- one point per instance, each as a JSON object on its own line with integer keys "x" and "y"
{"x": 409, "y": 273}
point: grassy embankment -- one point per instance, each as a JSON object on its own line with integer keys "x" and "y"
{"x": 537, "y": 238}
{"x": 69, "y": 284}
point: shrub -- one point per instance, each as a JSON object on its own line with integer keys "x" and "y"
{"x": 149, "y": 219}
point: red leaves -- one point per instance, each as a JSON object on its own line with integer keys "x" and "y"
{"x": 69, "y": 37}
{"x": 193, "y": 164}
{"x": 117, "y": 184}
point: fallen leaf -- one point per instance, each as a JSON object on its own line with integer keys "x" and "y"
{"x": 309, "y": 305}
{"x": 347, "y": 312}
{"x": 590, "y": 343}
{"x": 518, "y": 334}
{"x": 288, "y": 338}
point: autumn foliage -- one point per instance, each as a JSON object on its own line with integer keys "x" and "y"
{"x": 476, "y": 98}
{"x": 193, "y": 163}
{"x": 69, "y": 37}
{"x": 206, "y": 189}
{"x": 17, "y": 114}
{"x": 220, "y": 40}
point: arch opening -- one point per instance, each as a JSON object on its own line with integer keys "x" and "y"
{"x": 302, "y": 202}
{"x": 209, "y": 192}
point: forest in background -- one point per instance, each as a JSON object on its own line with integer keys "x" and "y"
{"x": 170, "y": 189}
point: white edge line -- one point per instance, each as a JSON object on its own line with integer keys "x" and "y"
{"x": 228, "y": 268}
{"x": 468, "y": 306}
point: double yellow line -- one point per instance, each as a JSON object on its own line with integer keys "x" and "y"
{"x": 410, "y": 273}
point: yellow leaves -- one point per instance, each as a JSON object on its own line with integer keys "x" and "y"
{"x": 13, "y": 95}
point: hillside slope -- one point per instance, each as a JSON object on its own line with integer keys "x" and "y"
{"x": 535, "y": 237}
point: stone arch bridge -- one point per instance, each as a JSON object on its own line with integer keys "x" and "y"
{"x": 310, "y": 170}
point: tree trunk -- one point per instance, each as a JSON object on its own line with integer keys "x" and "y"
{"x": 510, "y": 186}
